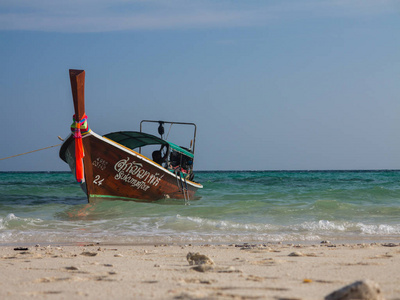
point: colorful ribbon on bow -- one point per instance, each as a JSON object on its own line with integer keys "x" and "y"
{"x": 78, "y": 128}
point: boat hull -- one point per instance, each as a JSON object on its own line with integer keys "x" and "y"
{"x": 114, "y": 172}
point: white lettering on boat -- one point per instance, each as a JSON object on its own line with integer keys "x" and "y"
{"x": 134, "y": 174}
{"x": 100, "y": 163}
{"x": 97, "y": 180}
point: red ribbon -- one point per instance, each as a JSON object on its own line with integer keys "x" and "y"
{"x": 79, "y": 152}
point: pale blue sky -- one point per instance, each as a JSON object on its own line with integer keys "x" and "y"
{"x": 271, "y": 84}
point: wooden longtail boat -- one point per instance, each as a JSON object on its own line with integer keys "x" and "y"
{"x": 111, "y": 167}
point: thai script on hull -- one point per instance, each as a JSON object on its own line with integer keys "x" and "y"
{"x": 134, "y": 174}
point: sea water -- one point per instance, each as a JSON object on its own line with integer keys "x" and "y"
{"x": 234, "y": 207}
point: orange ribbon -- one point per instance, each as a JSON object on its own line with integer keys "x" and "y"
{"x": 79, "y": 152}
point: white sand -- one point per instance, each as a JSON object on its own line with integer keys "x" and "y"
{"x": 163, "y": 272}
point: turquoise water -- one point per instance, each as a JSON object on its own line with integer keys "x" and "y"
{"x": 39, "y": 208}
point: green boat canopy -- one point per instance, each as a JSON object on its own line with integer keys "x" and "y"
{"x": 180, "y": 150}
{"x": 135, "y": 139}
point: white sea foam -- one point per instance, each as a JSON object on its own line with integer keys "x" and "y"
{"x": 181, "y": 229}
{"x": 381, "y": 230}
{"x": 5, "y": 221}
{"x": 322, "y": 225}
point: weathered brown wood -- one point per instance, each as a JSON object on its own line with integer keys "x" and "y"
{"x": 113, "y": 172}
{"x": 77, "y": 78}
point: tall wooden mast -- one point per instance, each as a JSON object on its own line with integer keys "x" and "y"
{"x": 77, "y": 78}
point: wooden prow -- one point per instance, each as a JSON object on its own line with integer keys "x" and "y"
{"x": 77, "y": 78}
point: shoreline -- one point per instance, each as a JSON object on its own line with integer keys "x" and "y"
{"x": 238, "y": 271}
{"x": 338, "y": 241}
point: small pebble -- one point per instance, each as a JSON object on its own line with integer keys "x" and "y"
{"x": 296, "y": 254}
{"x": 203, "y": 268}
{"x": 198, "y": 259}
{"x": 89, "y": 253}
{"x": 365, "y": 289}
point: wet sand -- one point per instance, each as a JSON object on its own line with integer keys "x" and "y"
{"x": 269, "y": 271}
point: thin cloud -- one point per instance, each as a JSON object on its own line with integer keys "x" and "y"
{"x": 119, "y": 15}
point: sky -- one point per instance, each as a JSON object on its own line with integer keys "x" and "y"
{"x": 271, "y": 85}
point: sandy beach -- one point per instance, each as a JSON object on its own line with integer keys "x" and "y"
{"x": 245, "y": 271}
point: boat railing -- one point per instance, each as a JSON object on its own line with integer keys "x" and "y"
{"x": 161, "y": 128}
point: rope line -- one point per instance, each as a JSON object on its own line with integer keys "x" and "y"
{"x": 168, "y": 132}
{"x": 30, "y": 152}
